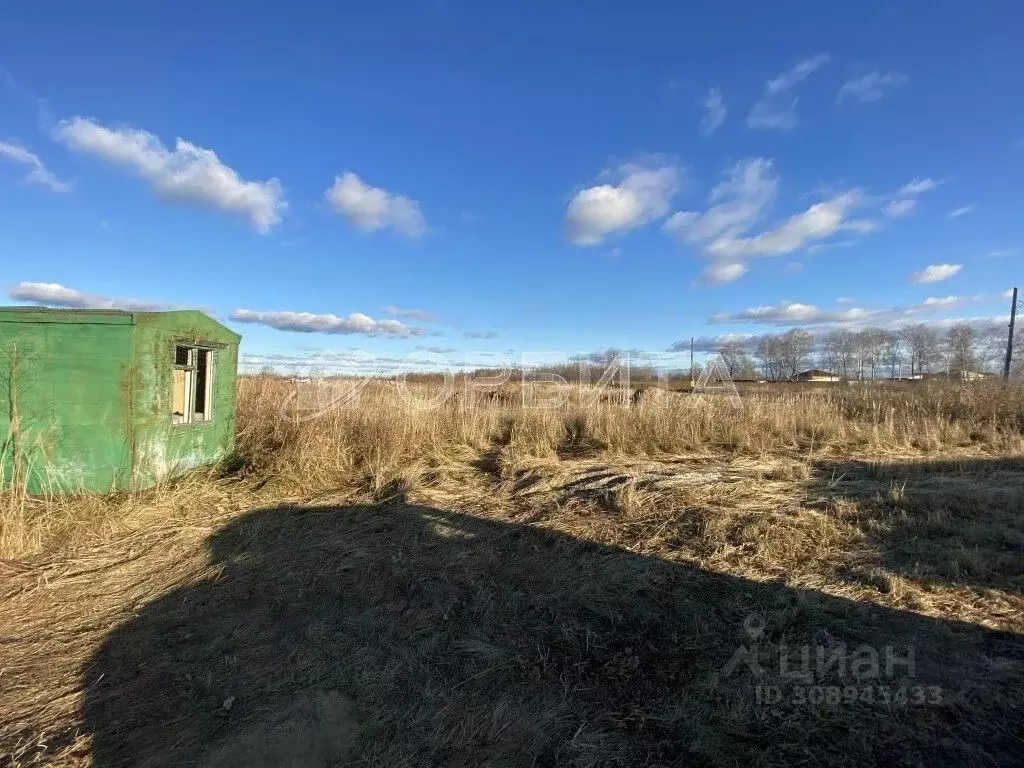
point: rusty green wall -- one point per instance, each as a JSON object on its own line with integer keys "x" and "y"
{"x": 67, "y": 385}
{"x": 162, "y": 449}
{"x": 90, "y": 393}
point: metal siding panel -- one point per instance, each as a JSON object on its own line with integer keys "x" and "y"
{"x": 163, "y": 450}
{"x": 73, "y": 408}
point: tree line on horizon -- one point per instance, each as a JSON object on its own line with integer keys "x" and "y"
{"x": 871, "y": 353}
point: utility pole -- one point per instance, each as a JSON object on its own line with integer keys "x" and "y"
{"x": 1009, "y": 341}
{"x": 691, "y": 356}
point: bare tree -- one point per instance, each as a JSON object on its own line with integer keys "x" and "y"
{"x": 1017, "y": 371}
{"x": 797, "y": 345}
{"x": 923, "y": 347}
{"x": 737, "y": 361}
{"x": 840, "y": 347}
{"x": 831, "y": 354}
{"x": 961, "y": 355}
{"x": 769, "y": 353}
{"x": 892, "y": 352}
{"x": 991, "y": 348}
{"x": 872, "y": 344}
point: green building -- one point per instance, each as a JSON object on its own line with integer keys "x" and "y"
{"x": 105, "y": 400}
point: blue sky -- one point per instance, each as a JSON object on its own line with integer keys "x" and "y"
{"x": 549, "y": 178}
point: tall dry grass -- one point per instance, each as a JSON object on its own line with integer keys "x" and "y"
{"x": 379, "y": 439}
{"x": 388, "y": 433}
{"x": 543, "y": 557}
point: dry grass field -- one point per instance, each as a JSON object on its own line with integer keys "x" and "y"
{"x": 824, "y": 576}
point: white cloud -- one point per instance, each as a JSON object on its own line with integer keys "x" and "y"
{"x": 935, "y": 273}
{"x": 918, "y": 186}
{"x": 713, "y": 343}
{"x": 722, "y": 272}
{"x": 480, "y": 334}
{"x": 963, "y": 210}
{"x": 895, "y": 209}
{"x": 1007, "y": 294}
{"x": 607, "y": 355}
{"x": 738, "y": 201}
{"x": 307, "y": 322}
{"x": 905, "y": 201}
{"x": 415, "y": 314}
{"x": 844, "y": 300}
{"x": 57, "y": 295}
{"x": 786, "y": 313}
{"x": 187, "y": 172}
{"x": 790, "y": 313}
{"x": 797, "y": 74}
{"x": 810, "y": 317}
{"x": 38, "y": 173}
{"x": 820, "y": 221}
{"x": 942, "y": 303}
{"x": 872, "y": 86}
{"x": 353, "y": 362}
{"x": 372, "y": 208}
{"x": 1001, "y": 253}
{"x": 776, "y": 110}
{"x": 714, "y": 105}
{"x": 642, "y": 195}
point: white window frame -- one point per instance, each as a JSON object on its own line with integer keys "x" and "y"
{"x": 191, "y": 375}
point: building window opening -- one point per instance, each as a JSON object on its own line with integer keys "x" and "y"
{"x": 192, "y": 393}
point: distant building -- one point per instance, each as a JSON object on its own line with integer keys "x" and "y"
{"x": 816, "y": 375}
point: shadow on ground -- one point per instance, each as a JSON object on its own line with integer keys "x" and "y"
{"x": 935, "y": 522}
{"x": 409, "y": 636}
